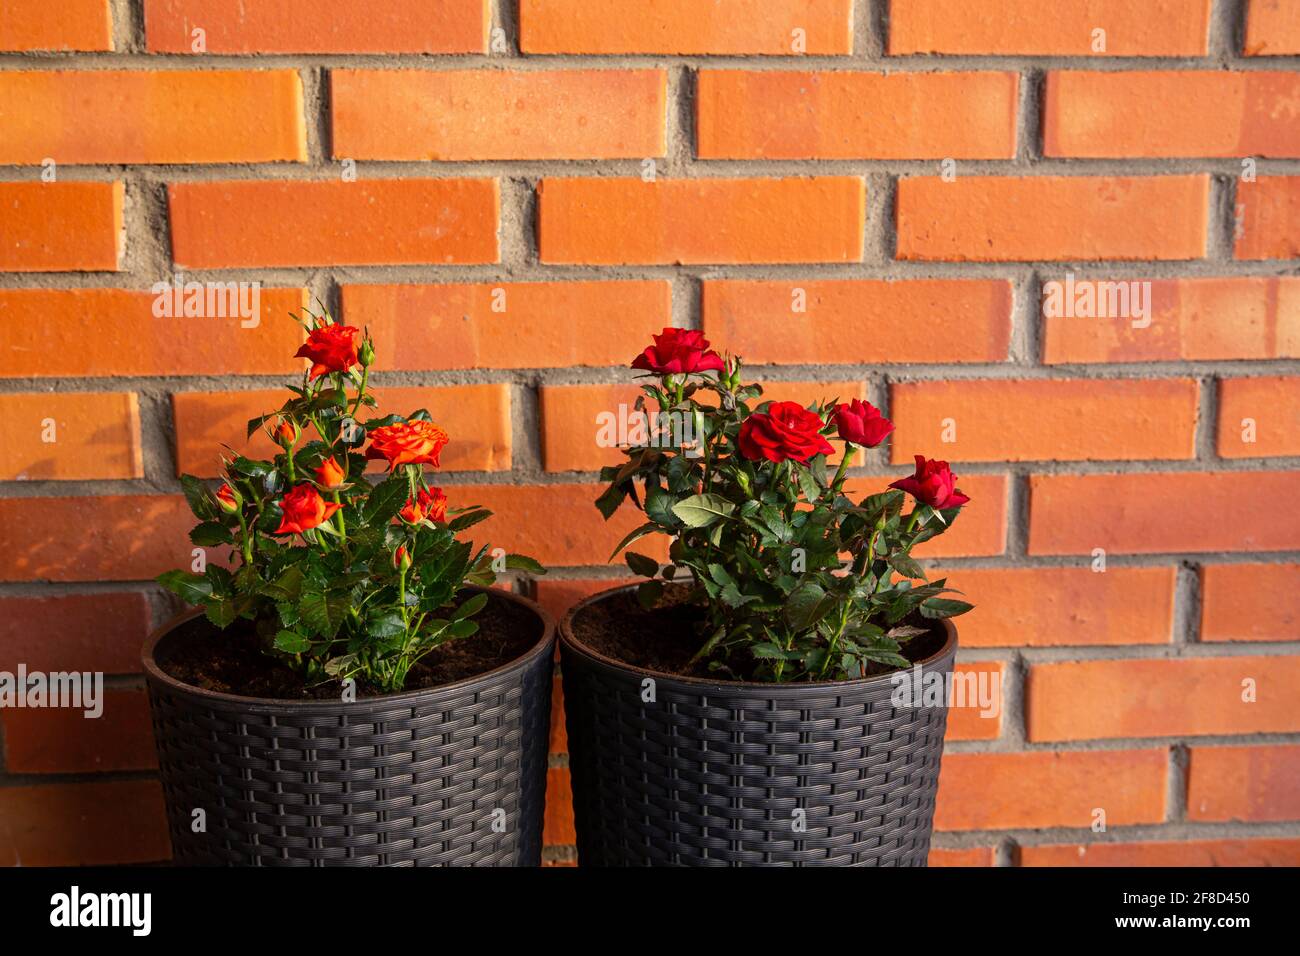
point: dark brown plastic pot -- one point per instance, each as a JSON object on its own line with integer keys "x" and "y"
{"x": 450, "y": 775}
{"x": 715, "y": 773}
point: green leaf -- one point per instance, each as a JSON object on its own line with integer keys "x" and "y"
{"x": 905, "y": 566}
{"x": 700, "y": 511}
{"x": 470, "y": 607}
{"x": 648, "y": 593}
{"x": 806, "y": 606}
{"x": 324, "y": 613}
{"x": 210, "y": 534}
{"x": 468, "y": 519}
{"x": 291, "y": 642}
{"x": 645, "y": 529}
{"x": 659, "y": 507}
{"x": 521, "y": 562}
{"x": 200, "y": 501}
{"x": 386, "y": 499}
{"x": 191, "y": 588}
{"x": 388, "y": 624}
{"x": 462, "y": 628}
{"x": 220, "y": 612}
{"x": 943, "y": 607}
{"x": 286, "y": 587}
{"x": 610, "y": 500}
{"x": 640, "y": 564}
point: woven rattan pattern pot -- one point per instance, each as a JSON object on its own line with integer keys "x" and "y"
{"x": 712, "y": 774}
{"x": 409, "y": 779}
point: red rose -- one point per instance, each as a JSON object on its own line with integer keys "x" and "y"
{"x": 331, "y": 348}
{"x": 304, "y": 509}
{"x": 785, "y": 430}
{"x": 861, "y": 423}
{"x": 431, "y": 504}
{"x": 228, "y": 498}
{"x": 329, "y": 474}
{"x": 401, "y": 559}
{"x": 408, "y": 443}
{"x": 933, "y": 484}
{"x": 676, "y": 351}
{"x": 286, "y": 432}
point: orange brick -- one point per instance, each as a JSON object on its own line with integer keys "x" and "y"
{"x": 1232, "y": 611}
{"x": 1002, "y": 218}
{"x": 1259, "y": 417}
{"x": 453, "y": 115}
{"x": 509, "y": 324}
{"x": 1064, "y": 607}
{"x": 606, "y": 221}
{"x": 1159, "y": 513}
{"x": 318, "y": 26}
{"x": 977, "y": 715}
{"x": 156, "y": 116}
{"x": 1063, "y": 27}
{"x": 43, "y": 333}
{"x": 576, "y": 419}
{"x": 476, "y": 416}
{"x": 859, "y": 321}
{"x": 999, "y": 791}
{"x": 1094, "y": 700}
{"x": 83, "y": 824}
{"x": 1268, "y": 225}
{"x": 70, "y": 435}
{"x": 559, "y": 738}
{"x": 557, "y": 595}
{"x": 1166, "y": 853}
{"x": 1247, "y": 317}
{"x": 108, "y": 538}
{"x": 1272, "y": 28}
{"x": 78, "y": 632}
{"x": 219, "y": 225}
{"x": 980, "y": 530}
{"x": 685, "y": 26}
{"x": 1038, "y": 419}
{"x": 53, "y": 227}
{"x": 70, "y": 25}
{"x": 557, "y": 824}
{"x": 64, "y": 740}
{"x": 1170, "y": 113}
{"x": 1255, "y": 784}
{"x": 778, "y": 114}
{"x": 970, "y": 856}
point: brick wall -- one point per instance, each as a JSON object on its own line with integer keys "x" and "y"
{"x": 916, "y": 173}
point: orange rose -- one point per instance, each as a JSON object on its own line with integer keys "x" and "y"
{"x": 228, "y": 498}
{"x": 329, "y": 474}
{"x": 409, "y": 443}
{"x": 304, "y": 509}
{"x": 331, "y": 348}
{"x": 431, "y": 504}
{"x": 286, "y": 432}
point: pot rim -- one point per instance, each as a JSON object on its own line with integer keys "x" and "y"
{"x": 155, "y": 673}
{"x": 571, "y": 643}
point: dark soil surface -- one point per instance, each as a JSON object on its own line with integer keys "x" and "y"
{"x": 232, "y": 661}
{"x": 664, "y": 638}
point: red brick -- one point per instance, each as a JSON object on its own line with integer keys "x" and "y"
{"x": 1232, "y": 611}
{"x": 1063, "y": 27}
{"x": 1269, "y": 218}
{"x": 107, "y": 538}
{"x": 1094, "y": 700}
{"x": 69, "y": 25}
{"x": 1170, "y": 113}
{"x": 509, "y": 324}
{"x": 476, "y": 416}
{"x": 1165, "y": 512}
{"x": 83, "y": 824}
{"x": 998, "y": 791}
{"x": 1254, "y": 784}
{"x": 155, "y": 116}
{"x": 318, "y": 26}
{"x": 1038, "y": 419}
{"x": 980, "y": 531}
{"x": 218, "y": 225}
{"x": 74, "y": 632}
{"x": 453, "y": 115}
{"x": 45, "y": 331}
{"x": 970, "y": 856}
{"x": 557, "y": 595}
{"x": 1272, "y": 28}
{"x": 53, "y": 227}
{"x": 971, "y": 720}
{"x": 618, "y": 220}
{"x": 557, "y": 824}
{"x": 69, "y": 435}
{"x": 62, "y": 740}
{"x": 1246, "y": 317}
{"x": 735, "y": 27}
{"x": 1166, "y": 853}
{"x": 778, "y": 114}
{"x": 869, "y": 321}
{"x": 1272, "y": 405}
{"x": 1064, "y": 607}
{"x": 1002, "y": 218}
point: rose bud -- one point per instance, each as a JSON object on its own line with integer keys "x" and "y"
{"x": 329, "y": 474}
{"x": 331, "y": 348}
{"x": 304, "y": 509}
{"x": 401, "y": 560}
{"x": 286, "y": 433}
{"x": 228, "y": 498}
{"x": 366, "y": 355}
{"x": 786, "y": 430}
{"x": 933, "y": 484}
{"x": 431, "y": 504}
{"x": 407, "y": 443}
{"x": 861, "y": 423}
{"x": 678, "y": 351}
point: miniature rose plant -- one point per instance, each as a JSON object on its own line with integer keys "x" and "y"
{"x": 340, "y": 578}
{"x": 797, "y": 581}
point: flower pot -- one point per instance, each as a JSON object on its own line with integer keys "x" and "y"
{"x": 448, "y": 775}
{"x": 713, "y": 773}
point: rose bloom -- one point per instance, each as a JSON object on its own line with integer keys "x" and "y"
{"x": 304, "y": 509}
{"x": 933, "y": 484}
{"x": 408, "y": 443}
{"x": 861, "y": 423}
{"x": 676, "y": 351}
{"x": 226, "y": 498}
{"x": 785, "y": 430}
{"x": 329, "y": 474}
{"x": 286, "y": 432}
{"x": 431, "y": 504}
{"x": 331, "y": 348}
